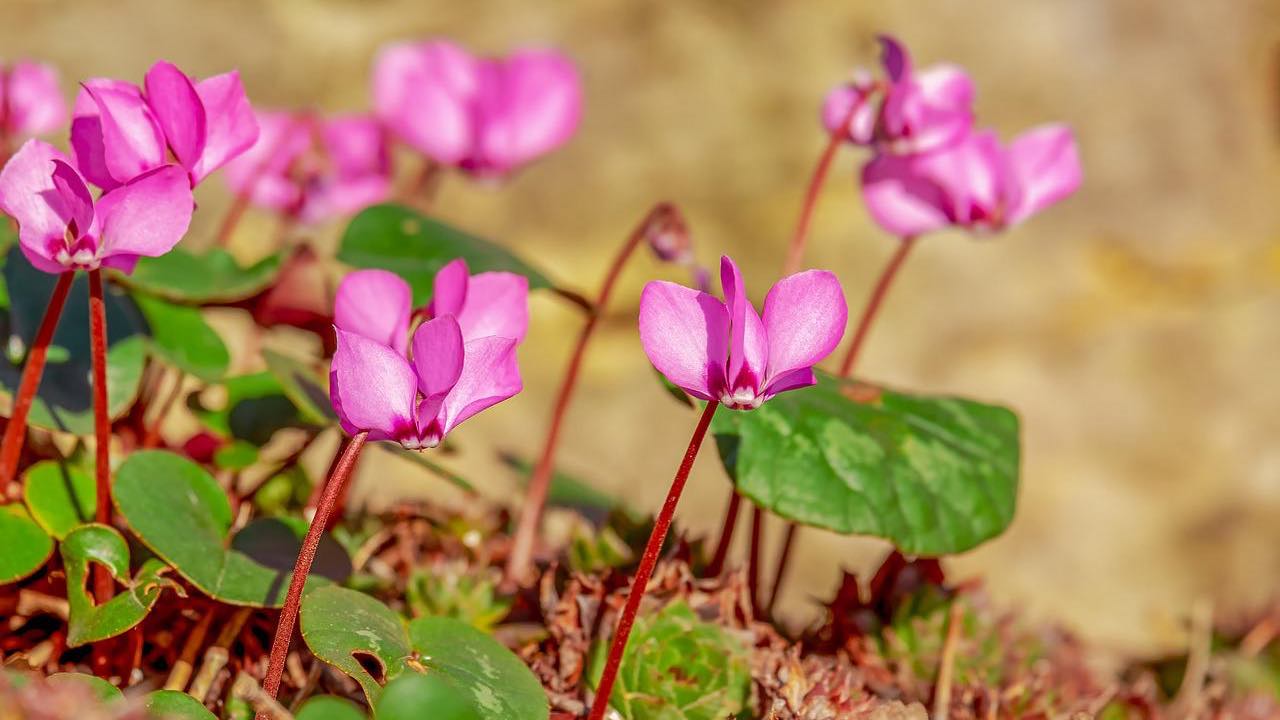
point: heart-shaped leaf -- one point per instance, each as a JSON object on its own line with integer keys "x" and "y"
{"x": 214, "y": 277}
{"x": 60, "y": 496}
{"x": 934, "y": 475}
{"x": 255, "y": 407}
{"x": 306, "y": 388}
{"x": 63, "y": 401}
{"x": 329, "y": 707}
{"x": 414, "y": 246}
{"x": 413, "y": 696}
{"x": 354, "y": 633}
{"x": 105, "y": 546}
{"x": 24, "y": 545}
{"x": 174, "y": 705}
{"x": 178, "y": 511}
{"x": 181, "y": 337}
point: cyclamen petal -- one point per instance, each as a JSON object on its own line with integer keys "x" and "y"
{"x": 146, "y": 216}
{"x": 531, "y": 104}
{"x": 32, "y": 98}
{"x": 231, "y": 126}
{"x": 804, "y": 318}
{"x": 375, "y": 304}
{"x": 28, "y": 195}
{"x": 497, "y": 304}
{"x": 1046, "y": 165}
{"x": 372, "y": 388}
{"x": 75, "y": 197}
{"x": 450, "y": 288}
{"x": 685, "y": 334}
{"x": 438, "y": 356}
{"x": 489, "y": 375}
{"x": 177, "y": 108}
{"x": 423, "y": 92}
{"x": 131, "y": 138}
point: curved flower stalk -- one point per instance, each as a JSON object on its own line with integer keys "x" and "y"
{"x": 386, "y": 385}
{"x": 484, "y": 116}
{"x": 313, "y": 169}
{"x": 119, "y": 131}
{"x": 724, "y": 352}
{"x": 30, "y": 102}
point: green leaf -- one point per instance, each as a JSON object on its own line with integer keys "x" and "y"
{"x": 105, "y": 546}
{"x": 100, "y": 688}
{"x": 178, "y": 511}
{"x": 64, "y": 399}
{"x": 174, "y": 705}
{"x": 344, "y": 627}
{"x": 255, "y": 408}
{"x": 305, "y": 388}
{"x": 934, "y": 475}
{"x": 395, "y": 238}
{"x": 25, "y": 545}
{"x": 181, "y": 337}
{"x": 215, "y": 277}
{"x": 60, "y": 496}
{"x": 236, "y": 455}
{"x": 329, "y": 707}
{"x": 411, "y": 697}
{"x": 499, "y": 683}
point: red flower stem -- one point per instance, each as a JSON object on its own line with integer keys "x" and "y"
{"x": 780, "y": 570}
{"x": 716, "y": 566}
{"x": 306, "y": 556}
{"x": 101, "y": 417}
{"x": 540, "y": 483}
{"x": 648, "y": 561}
{"x": 420, "y": 193}
{"x": 15, "y": 433}
{"x": 753, "y": 561}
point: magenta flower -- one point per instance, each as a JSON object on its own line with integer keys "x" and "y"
{"x": 61, "y": 227}
{"x": 906, "y": 113}
{"x": 30, "y": 101}
{"x": 314, "y": 169}
{"x": 977, "y": 184}
{"x": 459, "y": 364}
{"x": 724, "y": 351}
{"x": 119, "y": 131}
{"x": 485, "y": 116}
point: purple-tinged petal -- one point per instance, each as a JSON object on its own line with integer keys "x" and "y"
{"x": 28, "y": 195}
{"x": 177, "y": 108}
{"x": 75, "y": 197}
{"x": 497, "y": 304}
{"x": 334, "y": 197}
{"x": 449, "y": 290}
{"x": 372, "y": 388}
{"x": 937, "y": 111}
{"x": 1045, "y": 165}
{"x": 131, "y": 137}
{"x": 489, "y": 376}
{"x": 262, "y": 172}
{"x": 529, "y": 104}
{"x": 355, "y": 145}
{"x": 735, "y": 299}
{"x": 976, "y": 177}
{"x": 901, "y": 200}
{"x": 685, "y": 334}
{"x": 794, "y": 380}
{"x": 424, "y": 93}
{"x": 804, "y": 319}
{"x": 148, "y": 215}
{"x": 34, "y": 103}
{"x": 851, "y": 103}
{"x": 87, "y": 143}
{"x": 231, "y": 126}
{"x": 375, "y": 304}
{"x": 438, "y": 355}
{"x": 895, "y": 59}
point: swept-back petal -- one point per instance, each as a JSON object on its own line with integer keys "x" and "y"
{"x": 261, "y": 173}
{"x": 28, "y": 195}
{"x": 230, "y": 126}
{"x": 34, "y": 100}
{"x": 804, "y": 319}
{"x": 372, "y": 388}
{"x": 529, "y": 104}
{"x": 901, "y": 199}
{"x": 424, "y": 93}
{"x": 895, "y": 58}
{"x": 735, "y": 299}
{"x": 148, "y": 215}
{"x": 450, "y": 287}
{"x": 437, "y": 355}
{"x": 489, "y": 376}
{"x": 375, "y": 304}
{"x": 75, "y": 196}
{"x": 1045, "y": 164}
{"x": 497, "y": 304}
{"x": 685, "y": 334}
{"x": 86, "y": 134}
{"x": 178, "y": 110}
{"x": 131, "y": 138}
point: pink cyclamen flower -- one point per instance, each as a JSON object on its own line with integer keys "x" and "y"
{"x": 977, "y": 184}
{"x": 909, "y": 111}
{"x": 724, "y": 351}
{"x": 457, "y": 364}
{"x": 119, "y": 131}
{"x": 487, "y": 116}
{"x": 314, "y": 169}
{"x": 30, "y": 100}
{"x": 61, "y": 227}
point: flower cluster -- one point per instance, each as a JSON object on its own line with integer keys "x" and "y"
{"x": 931, "y": 167}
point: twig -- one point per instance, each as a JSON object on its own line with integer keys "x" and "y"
{"x": 946, "y": 668}
{"x": 215, "y": 658}
{"x": 1198, "y": 652}
{"x": 244, "y": 688}
{"x": 180, "y": 675}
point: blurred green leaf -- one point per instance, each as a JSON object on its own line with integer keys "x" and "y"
{"x": 181, "y": 276}
{"x": 329, "y": 707}
{"x": 60, "y": 496}
{"x": 254, "y": 409}
{"x": 26, "y": 546}
{"x": 174, "y": 705}
{"x": 415, "y": 247}
{"x": 934, "y": 475}
{"x": 181, "y": 337}
{"x": 100, "y": 688}
{"x": 413, "y": 697}
{"x": 307, "y": 389}
{"x": 236, "y": 455}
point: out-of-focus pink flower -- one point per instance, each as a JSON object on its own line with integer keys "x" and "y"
{"x": 977, "y": 184}
{"x": 314, "y": 169}
{"x": 724, "y": 351}
{"x": 119, "y": 131}
{"x": 487, "y": 116}
{"x": 448, "y": 377}
{"x": 909, "y": 111}
{"x": 61, "y": 227}
{"x": 30, "y": 100}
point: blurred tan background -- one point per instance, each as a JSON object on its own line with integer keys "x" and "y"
{"x": 1136, "y": 328}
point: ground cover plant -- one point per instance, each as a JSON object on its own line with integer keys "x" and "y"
{"x": 215, "y": 578}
